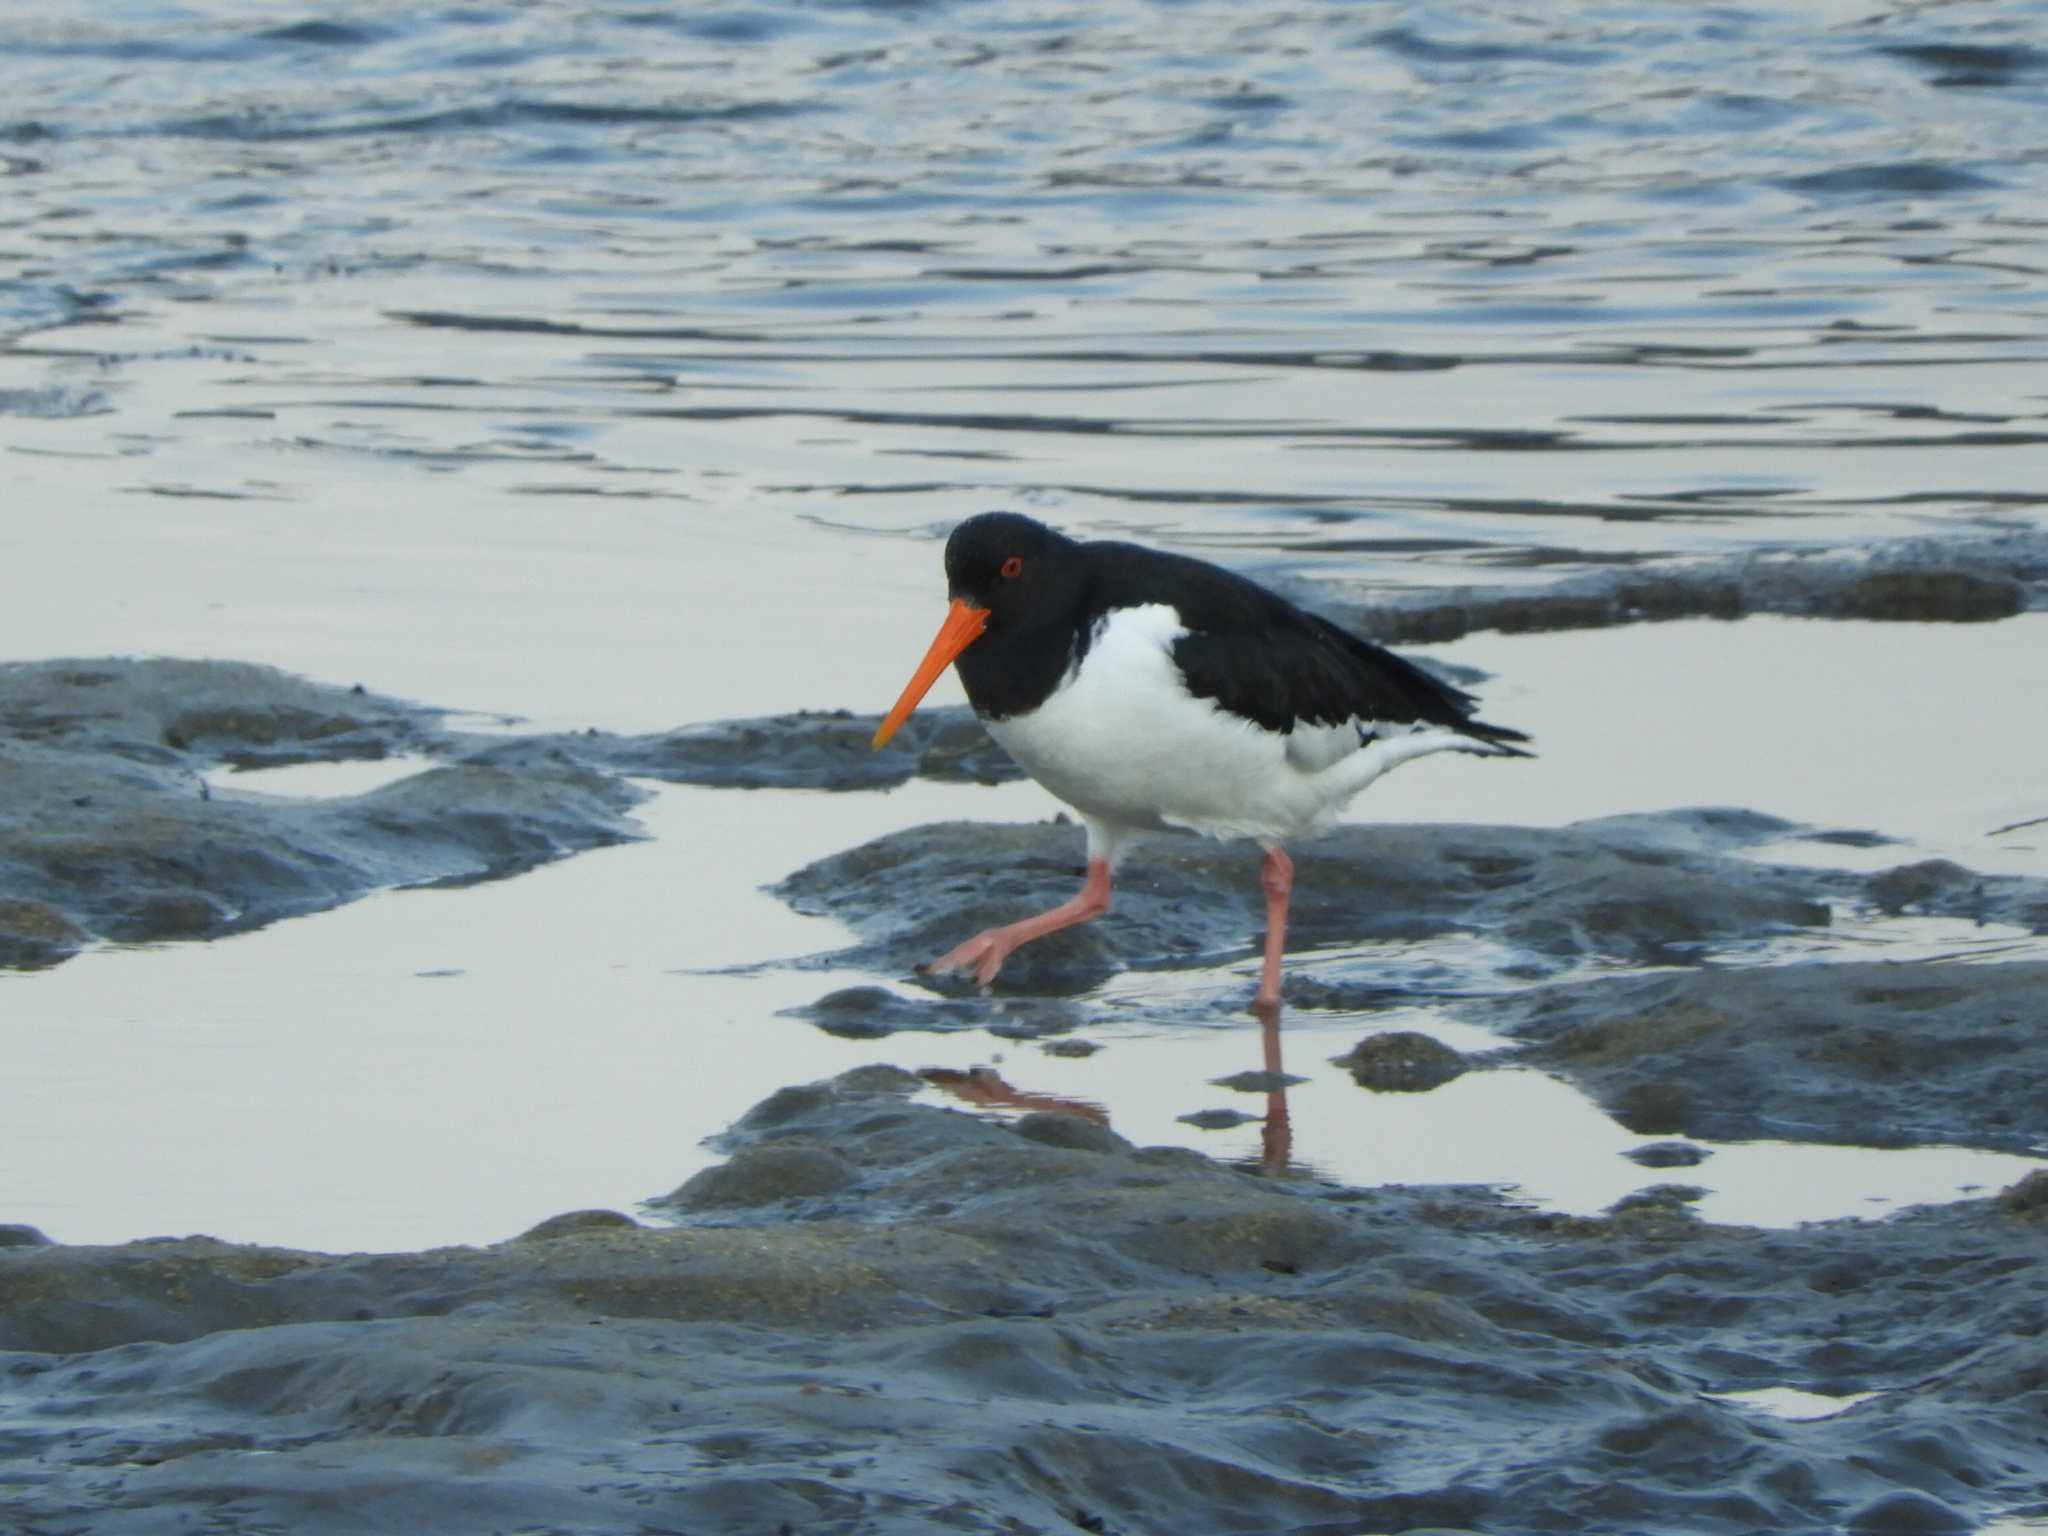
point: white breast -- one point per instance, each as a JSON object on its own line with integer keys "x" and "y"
{"x": 1124, "y": 742}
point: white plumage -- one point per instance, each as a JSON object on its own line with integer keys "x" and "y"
{"x": 1124, "y": 742}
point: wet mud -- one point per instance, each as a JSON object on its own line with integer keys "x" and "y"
{"x": 879, "y": 1316}
{"x": 1862, "y": 1054}
{"x": 876, "y": 1315}
{"x": 122, "y": 818}
{"x": 109, "y": 831}
{"x": 1968, "y": 579}
{"x": 1703, "y": 1037}
{"x": 1641, "y": 889}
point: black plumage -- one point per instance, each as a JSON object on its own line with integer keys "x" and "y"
{"x": 1248, "y": 649}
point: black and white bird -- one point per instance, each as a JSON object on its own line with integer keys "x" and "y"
{"x": 1151, "y": 690}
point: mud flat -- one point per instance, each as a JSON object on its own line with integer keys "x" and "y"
{"x": 879, "y": 1317}
{"x": 1963, "y": 579}
{"x": 111, "y": 827}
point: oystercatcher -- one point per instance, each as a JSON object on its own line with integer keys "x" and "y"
{"x": 1152, "y": 690}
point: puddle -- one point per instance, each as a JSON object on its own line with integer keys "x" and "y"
{"x": 434, "y": 1066}
{"x": 319, "y": 781}
{"x": 1792, "y": 1403}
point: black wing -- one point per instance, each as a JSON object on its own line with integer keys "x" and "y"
{"x": 1259, "y": 656}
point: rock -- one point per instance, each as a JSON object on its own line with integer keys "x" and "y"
{"x": 765, "y": 1174}
{"x": 1860, "y": 1053}
{"x": 1669, "y": 1154}
{"x": 1052, "y": 1129}
{"x": 2028, "y": 1198}
{"x": 1906, "y": 1513}
{"x": 1638, "y": 889}
{"x": 1402, "y": 1061}
{"x": 1217, "y": 1119}
{"x": 576, "y": 1223}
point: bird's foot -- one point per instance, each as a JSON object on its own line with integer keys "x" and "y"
{"x": 983, "y": 954}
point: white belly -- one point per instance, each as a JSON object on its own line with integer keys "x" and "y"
{"x": 1124, "y": 742}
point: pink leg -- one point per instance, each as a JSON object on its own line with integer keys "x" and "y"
{"x": 1277, "y": 875}
{"x": 986, "y": 952}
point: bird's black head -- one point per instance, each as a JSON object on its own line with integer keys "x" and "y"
{"x": 1016, "y": 568}
{"x": 1018, "y": 589}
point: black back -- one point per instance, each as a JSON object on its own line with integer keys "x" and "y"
{"x": 1250, "y": 650}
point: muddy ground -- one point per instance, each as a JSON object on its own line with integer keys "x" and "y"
{"x": 109, "y": 831}
{"x": 878, "y": 1316}
{"x": 882, "y": 1317}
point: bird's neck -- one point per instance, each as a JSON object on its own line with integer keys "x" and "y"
{"x": 1011, "y": 671}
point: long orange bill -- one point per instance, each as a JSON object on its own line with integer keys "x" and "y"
{"x": 963, "y": 626}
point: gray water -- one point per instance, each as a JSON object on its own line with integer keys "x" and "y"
{"x": 1395, "y": 287}
{"x": 620, "y": 365}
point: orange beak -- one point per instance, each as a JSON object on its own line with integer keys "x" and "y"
{"x": 963, "y": 626}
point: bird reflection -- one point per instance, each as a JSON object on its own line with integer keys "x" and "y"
{"x": 986, "y": 1088}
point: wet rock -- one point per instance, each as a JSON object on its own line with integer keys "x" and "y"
{"x": 1634, "y": 888}
{"x": 2027, "y": 1198}
{"x": 1906, "y": 1513}
{"x": 1257, "y": 1082}
{"x": 162, "y": 711}
{"x": 1402, "y": 1061}
{"x": 1932, "y": 885}
{"x": 1669, "y": 1154}
{"x": 1074, "y": 1131}
{"x": 1656, "y": 1195}
{"x": 1928, "y": 596}
{"x": 106, "y": 830}
{"x": 572, "y": 1223}
{"x": 33, "y": 933}
{"x": 1138, "y": 1337}
{"x": 1949, "y": 580}
{"x": 808, "y": 750}
{"x": 15, "y": 1234}
{"x": 762, "y": 1175}
{"x": 870, "y": 1013}
{"x": 1858, "y": 1053}
{"x": 1216, "y": 1119}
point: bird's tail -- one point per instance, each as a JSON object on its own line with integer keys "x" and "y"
{"x": 1492, "y": 740}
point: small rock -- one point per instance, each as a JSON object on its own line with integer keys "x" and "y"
{"x": 2027, "y": 1198}
{"x": 1402, "y": 1061}
{"x": 1911, "y": 885}
{"x": 1657, "y": 1195}
{"x": 574, "y": 1223}
{"x": 1653, "y": 1109}
{"x": 1256, "y": 1082}
{"x": 1907, "y": 1513}
{"x": 1669, "y": 1154}
{"x": 1952, "y": 596}
{"x": 1072, "y": 1131}
{"x": 1216, "y": 1119}
{"x": 763, "y": 1175}
{"x": 16, "y": 1234}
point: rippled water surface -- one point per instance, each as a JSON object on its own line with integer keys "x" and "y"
{"x": 618, "y": 364}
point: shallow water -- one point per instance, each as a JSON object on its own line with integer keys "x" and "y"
{"x": 438, "y": 1066}
{"x": 526, "y": 359}
{"x": 602, "y": 366}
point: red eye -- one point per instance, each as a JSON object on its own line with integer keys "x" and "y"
{"x": 1014, "y": 566}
